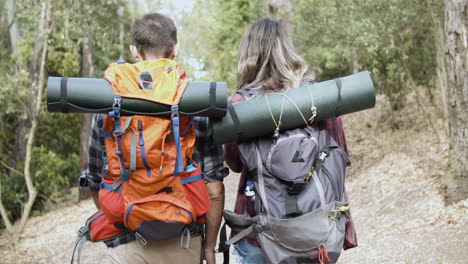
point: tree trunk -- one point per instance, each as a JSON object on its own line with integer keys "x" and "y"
{"x": 88, "y": 72}
{"x": 38, "y": 77}
{"x": 24, "y": 125}
{"x": 283, "y": 11}
{"x": 456, "y": 30}
{"x": 10, "y": 6}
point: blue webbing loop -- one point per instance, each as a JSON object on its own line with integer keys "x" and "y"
{"x": 175, "y": 130}
{"x": 193, "y": 178}
{"x": 120, "y": 61}
{"x": 109, "y": 188}
{"x": 105, "y": 133}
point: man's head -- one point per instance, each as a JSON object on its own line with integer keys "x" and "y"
{"x": 154, "y": 36}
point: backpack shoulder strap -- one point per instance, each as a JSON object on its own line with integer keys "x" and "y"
{"x": 79, "y": 243}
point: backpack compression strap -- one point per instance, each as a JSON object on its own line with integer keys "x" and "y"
{"x": 115, "y": 113}
{"x": 176, "y": 131}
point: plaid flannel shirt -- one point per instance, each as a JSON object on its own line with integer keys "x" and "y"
{"x": 207, "y": 154}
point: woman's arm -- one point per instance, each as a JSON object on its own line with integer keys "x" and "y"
{"x": 232, "y": 157}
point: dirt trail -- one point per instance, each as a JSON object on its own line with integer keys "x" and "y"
{"x": 393, "y": 185}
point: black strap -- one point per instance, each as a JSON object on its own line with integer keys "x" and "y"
{"x": 293, "y": 189}
{"x": 63, "y": 94}
{"x": 291, "y": 206}
{"x": 213, "y": 95}
{"x": 222, "y": 246}
{"x": 235, "y": 119}
{"x": 339, "y": 101}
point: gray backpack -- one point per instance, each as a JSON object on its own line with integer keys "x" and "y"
{"x": 300, "y": 197}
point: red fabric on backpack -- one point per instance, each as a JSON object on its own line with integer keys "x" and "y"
{"x": 195, "y": 189}
{"x": 101, "y": 228}
{"x": 111, "y": 201}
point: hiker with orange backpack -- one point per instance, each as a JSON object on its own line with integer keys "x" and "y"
{"x": 148, "y": 171}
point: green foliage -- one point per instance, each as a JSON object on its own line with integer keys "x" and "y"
{"x": 64, "y": 57}
{"x": 12, "y": 93}
{"x": 340, "y": 37}
{"x": 60, "y": 133}
{"x": 55, "y": 159}
{"x": 53, "y": 174}
{"x": 212, "y": 32}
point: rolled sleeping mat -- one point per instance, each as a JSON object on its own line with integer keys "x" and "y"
{"x": 252, "y": 118}
{"x": 89, "y": 95}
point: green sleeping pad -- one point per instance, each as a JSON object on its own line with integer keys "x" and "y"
{"x": 89, "y": 95}
{"x": 253, "y": 118}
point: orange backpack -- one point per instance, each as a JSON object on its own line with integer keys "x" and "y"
{"x": 153, "y": 191}
{"x": 153, "y": 187}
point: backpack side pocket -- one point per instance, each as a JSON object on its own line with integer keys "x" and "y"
{"x": 193, "y": 182}
{"x": 101, "y": 228}
{"x": 111, "y": 201}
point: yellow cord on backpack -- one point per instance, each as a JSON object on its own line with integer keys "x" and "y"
{"x": 313, "y": 110}
{"x": 277, "y": 124}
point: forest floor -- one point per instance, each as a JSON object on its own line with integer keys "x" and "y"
{"x": 394, "y": 185}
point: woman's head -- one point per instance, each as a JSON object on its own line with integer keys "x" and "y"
{"x": 267, "y": 58}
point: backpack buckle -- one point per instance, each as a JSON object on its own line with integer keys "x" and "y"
{"x": 83, "y": 231}
{"x": 295, "y": 188}
{"x": 140, "y": 240}
{"x": 117, "y": 102}
{"x": 325, "y": 152}
{"x": 174, "y": 111}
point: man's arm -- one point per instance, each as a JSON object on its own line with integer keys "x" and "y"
{"x": 210, "y": 157}
{"x": 95, "y": 161}
{"x": 213, "y": 219}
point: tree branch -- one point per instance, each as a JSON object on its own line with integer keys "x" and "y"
{"x": 4, "y": 214}
{"x": 10, "y": 168}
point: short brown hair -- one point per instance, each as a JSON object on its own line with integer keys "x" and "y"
{"x": 154, "y": 34}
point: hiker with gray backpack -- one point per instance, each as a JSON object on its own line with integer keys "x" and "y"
{"x": 291, "y": 204}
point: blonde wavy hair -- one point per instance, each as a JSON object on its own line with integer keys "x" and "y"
{"x": 267, "y": 59}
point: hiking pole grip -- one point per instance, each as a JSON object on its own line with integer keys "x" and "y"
{"x": 92, "y": 95}
{"x": 252, "y": 118}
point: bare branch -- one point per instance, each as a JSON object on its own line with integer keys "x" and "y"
{"x": 4, "y": 214}
{"x": 10, "y": 168}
